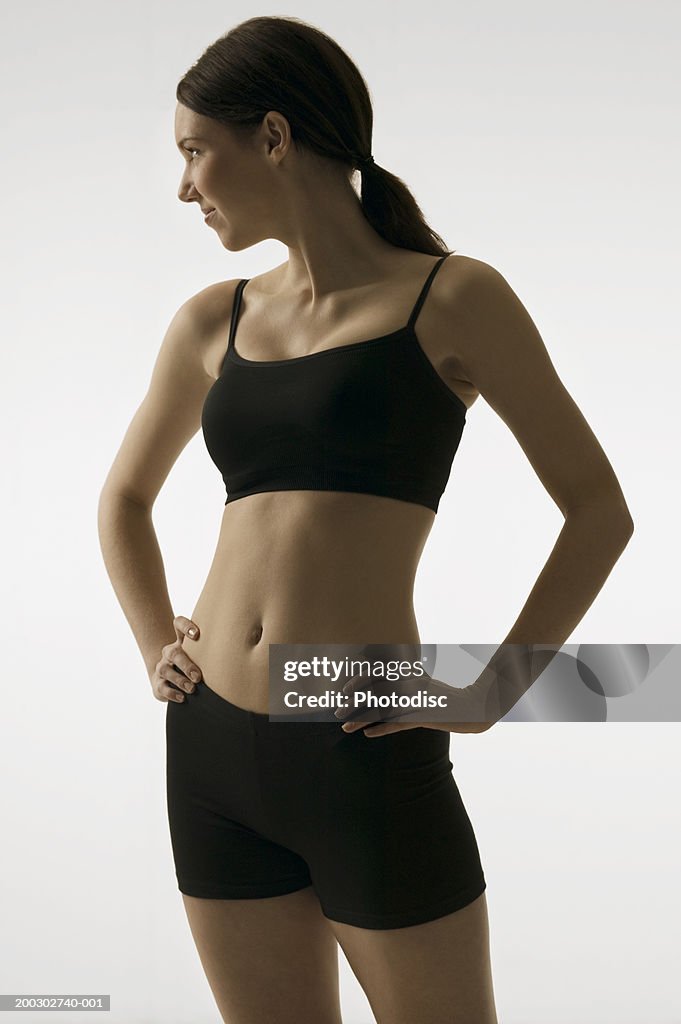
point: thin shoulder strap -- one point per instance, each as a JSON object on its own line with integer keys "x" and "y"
{"x": 236, "y": 306}
{"x": 424, "y": 291}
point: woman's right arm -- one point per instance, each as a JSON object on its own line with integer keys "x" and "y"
{"x": 166, "y": 420}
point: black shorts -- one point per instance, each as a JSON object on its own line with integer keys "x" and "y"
{"x": 259, "y": 808}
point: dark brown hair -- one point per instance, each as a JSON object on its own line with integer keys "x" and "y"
{"x": 284, "y": 64}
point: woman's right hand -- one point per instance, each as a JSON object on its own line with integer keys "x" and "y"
{"x": 175, "y": 666}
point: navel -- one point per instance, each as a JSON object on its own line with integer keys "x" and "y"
{"x": 255, "y": 635}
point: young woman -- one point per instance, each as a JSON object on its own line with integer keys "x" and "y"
{"x": 332, "y": 391}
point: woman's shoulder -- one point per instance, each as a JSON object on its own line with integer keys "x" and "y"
{"x": 464, "y": 270}
{"x": 210, "y": 304}
{"x": 204, "y": 317}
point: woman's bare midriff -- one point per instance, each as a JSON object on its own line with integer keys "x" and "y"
{"x": 304, "y": 567}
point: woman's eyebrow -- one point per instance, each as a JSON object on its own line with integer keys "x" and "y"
{"x": 190, "y": 138}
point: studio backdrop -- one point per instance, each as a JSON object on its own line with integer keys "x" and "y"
{"x": 538, "y": 138}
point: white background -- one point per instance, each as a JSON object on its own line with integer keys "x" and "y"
{"x": 541, "y": 138}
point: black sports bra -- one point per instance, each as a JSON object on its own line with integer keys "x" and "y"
{"x": 373, "y": 417}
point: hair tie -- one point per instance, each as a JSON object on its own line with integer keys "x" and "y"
{"x": 362, "y": 161}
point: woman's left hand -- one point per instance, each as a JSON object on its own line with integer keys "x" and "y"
{"x": 463, "y": 707}
{"x": 383, "y": 728}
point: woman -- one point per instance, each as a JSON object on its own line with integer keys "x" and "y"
{"x": 334, "y": 425}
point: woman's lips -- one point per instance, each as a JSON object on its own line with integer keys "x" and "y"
{"x": 208, "y": 216}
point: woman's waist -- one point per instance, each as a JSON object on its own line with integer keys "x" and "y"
{"x": 233, "y": 647}
{"x": 240, "y": 621}
{"x": 288, "y": 582}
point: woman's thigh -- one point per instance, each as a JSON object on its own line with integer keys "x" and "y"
{"x": 271, "y": 959}
{"x": 434, "y": 973}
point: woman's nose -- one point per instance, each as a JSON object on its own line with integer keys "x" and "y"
{"x": 184, "y": 191}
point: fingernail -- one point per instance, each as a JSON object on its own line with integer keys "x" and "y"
{"x": 191, "y": 631}
{"x": 194, "y": 675}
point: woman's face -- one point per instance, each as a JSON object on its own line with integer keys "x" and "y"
{"x": 221, "y": 173}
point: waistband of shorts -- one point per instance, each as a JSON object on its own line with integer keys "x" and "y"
{"x": 258, "y": 721}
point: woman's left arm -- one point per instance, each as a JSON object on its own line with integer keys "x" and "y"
{"x": 498, "y": 349}
{"x": 502, "y": 354}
